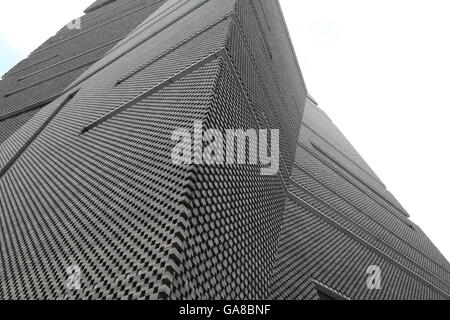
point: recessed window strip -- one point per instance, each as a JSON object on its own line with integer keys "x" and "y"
{"x": 140, "y": 7}
{"x": 129, "y": 49}
{"x": 300, "y": 202}
{"x": 85, "y": 19}
{"x": 33, "y": 64}
{"x": 37, "y": 133}
{"x": 36, "y": 105}
{"x": 153, "y": 90}
{"x": 369, "y": 217}
{"x": 94, "y": 6}
{"x": 157, "y": 18}
{"x": 349, "y": 172}
{"x": 94, "y": 16}
{"x": 165, "y": 53}
{"x": 307, "y": 126}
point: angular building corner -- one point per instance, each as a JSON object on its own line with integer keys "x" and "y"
{"x": 93, "y": 207}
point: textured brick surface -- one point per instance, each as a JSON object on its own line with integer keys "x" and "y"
{"x": 86, "y": 176}
{"x": 53, "y": 66}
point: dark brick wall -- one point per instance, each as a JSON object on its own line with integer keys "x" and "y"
{"x": 86, "y": 176}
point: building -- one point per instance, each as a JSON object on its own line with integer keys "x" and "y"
{"x": 93, "y": 206}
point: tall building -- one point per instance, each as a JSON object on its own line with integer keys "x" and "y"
{"x": 92, "y": 204}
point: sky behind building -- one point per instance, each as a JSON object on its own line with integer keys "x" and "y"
{"x": 379, "y": 69}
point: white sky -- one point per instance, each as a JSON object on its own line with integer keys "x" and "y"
{"x": 380, "y": 69}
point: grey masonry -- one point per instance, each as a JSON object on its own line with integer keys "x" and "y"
{"x": 92, "y": 205}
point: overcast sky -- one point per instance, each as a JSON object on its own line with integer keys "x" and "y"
{"x": 380, "y": 69}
